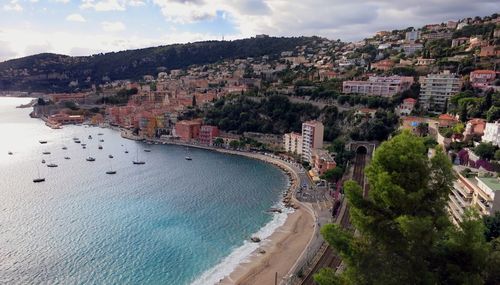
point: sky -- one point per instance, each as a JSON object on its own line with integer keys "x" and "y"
{"x": 85, "y": 27}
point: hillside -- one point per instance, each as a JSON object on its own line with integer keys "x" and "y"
{"x": 55, "y": 73}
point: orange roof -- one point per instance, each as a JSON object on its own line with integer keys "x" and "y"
{"x": 447, "y": 117}
{"x": 410, "y": 100}
{"x": 484, "y": 71}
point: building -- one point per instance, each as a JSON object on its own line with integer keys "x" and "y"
{"x": 405, "y": 108}
{"x": 384, "y": 65}
{"x": 293, "y": 143}
{"x": 489, "y": 51}
{"x": 437, "y": 89}
{"x": 378, "y": 86}
{"x": 451, "y": 25}
{"x": 459, "y": 41}
{"x": 425, "y": 61}
{"x": 487, "y": 198}
{"x": 208, "y": 134}
{"x": 482, "y": 78}
{"x": 188, "y": 130}
{"x": 492, "y": 133}
{"x": 460, "y": 198}
{"x": 312, "y": 137}
{"x": 438, "y": 35}
{"x": 411, "y": 48}
{"x": 412, "y": 36}
{"x": 322, "y": 161}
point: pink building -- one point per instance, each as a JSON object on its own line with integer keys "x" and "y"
{"x": 378, "y": 86}
{"x": 482, "y": 78}
{"x": 322, "y": 161}
{"x": 208, "y": 134}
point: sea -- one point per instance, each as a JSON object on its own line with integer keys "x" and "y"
{"x": 169, "y": 221}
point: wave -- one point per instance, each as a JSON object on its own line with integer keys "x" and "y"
{"x": 243, "y": 253}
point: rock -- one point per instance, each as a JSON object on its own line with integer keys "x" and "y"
{"x": 255, "y": 239}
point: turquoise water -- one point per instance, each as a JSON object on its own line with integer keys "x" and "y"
{"x": 167, "y": 222}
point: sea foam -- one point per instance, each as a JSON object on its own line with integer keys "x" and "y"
{"x": 242, "y": 254}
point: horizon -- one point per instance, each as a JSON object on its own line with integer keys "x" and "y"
{"x": 88, "y": 27}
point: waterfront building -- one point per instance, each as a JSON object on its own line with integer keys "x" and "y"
{"x": 492, "y": 133}
{"x": 293, "y": 143}
{"x": 378, "y": 85}
{"x": 312, "y": 137}
{"x": 322, "y": 161}
{"x": 437, "y": 89}
{"x": 208, "y": 134}
{"x": 188, "y": 130}
{"x": 63, "y": 118}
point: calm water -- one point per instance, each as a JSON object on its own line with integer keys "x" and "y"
{"x": 167, "y": 222}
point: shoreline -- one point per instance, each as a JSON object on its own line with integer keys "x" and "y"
{"x": 282, "y": 250}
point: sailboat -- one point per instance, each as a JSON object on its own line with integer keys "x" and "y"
{"x": 137, "y": 161}
{"x": 10, "y": 153}
{"x": 110, "y": 171}
{"x": 188, "y": 157}
{"x": 63, "y": 145}
{"x": 38, "y": 179}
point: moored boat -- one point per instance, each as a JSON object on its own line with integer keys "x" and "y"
{"x": 90, "y": 158}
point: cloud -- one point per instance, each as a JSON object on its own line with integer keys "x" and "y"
{"x": 60, "y": 1}
{"x": 75, "y": 18}
{"x": 113, "y": 26}
{"x": 13, "y": 5}
{"x": 6, "y": 52}
{"x": 104, "y": 5}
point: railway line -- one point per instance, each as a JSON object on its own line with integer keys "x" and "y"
{"x": 330, "y": 258}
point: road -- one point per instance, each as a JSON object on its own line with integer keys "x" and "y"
{"x": 329, "y": 257}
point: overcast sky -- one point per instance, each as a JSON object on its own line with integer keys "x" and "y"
{"x": 84, "y": 27}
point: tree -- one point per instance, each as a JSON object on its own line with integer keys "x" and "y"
{"x": 218, "y": 142}
{"x": 404, "y": 235}
{"x": 492, "y": 225}
{"x": 485, "y": 150}
{"x": 193, "y": 103}
{"x": 497, "y": 154}
{"x": 333, "y": 175}
{"x": 234, "y": 144}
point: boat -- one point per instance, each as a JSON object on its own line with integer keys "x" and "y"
{"x": 46, "y": 152}
{"x": 67, "y": 157}
{"x": 51, "y": 165}
{"x": 77, "y": 141}
{"x": 42, "y": 142}
{"x": 137, "y": 161}
{"x": 43, "y": 160}
{"x": 101, "y": 140}
{"x": 90, "y": 137}
{"x": 38, "y": 179}
{"x": 99, "y": 147}
{"x": 111, "y": 171}
{"x": 100, "y": 134}
{"x": 84, "y": 147}
{"x": 84, "y": 144}
{"x": 147, "y": 150}
{"x": 188, "y": 157}
{"x": 90, "y": 158}
{"x": 110, "y": 156}
{"x": 10, "y": 153}
{"x": 65, "y": 148}
{"x": 126, "y": 151}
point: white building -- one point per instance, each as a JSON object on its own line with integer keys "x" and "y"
{"x": 412, "y": 36}
{"x": 312, "y": 137}
{"x": 492, "y": 133}
{"x": 378, "y": 85}
{"x": 293, "y": 143}
{"x": 437, "y": 89}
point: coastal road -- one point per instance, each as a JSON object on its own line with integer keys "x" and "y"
{"x": 329, "y": 257}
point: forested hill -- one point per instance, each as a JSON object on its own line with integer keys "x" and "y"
{"x": 54, "y": 73}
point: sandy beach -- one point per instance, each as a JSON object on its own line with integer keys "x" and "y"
{"x": 282, "y": 250}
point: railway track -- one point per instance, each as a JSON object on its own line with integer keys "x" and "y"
{"x": 330, "y": 258}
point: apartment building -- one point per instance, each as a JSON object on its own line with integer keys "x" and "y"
{"x": 312, "y": 137}
{"x": 482, "y": 78}
{"x": 478, "y": 192}
{"x": 293, "y": 143}
{"x": 437, "y": 89}
{"x": 208, "y": 134}
{"x": 378, "y": 85}
{"x": 492, "y": 133}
